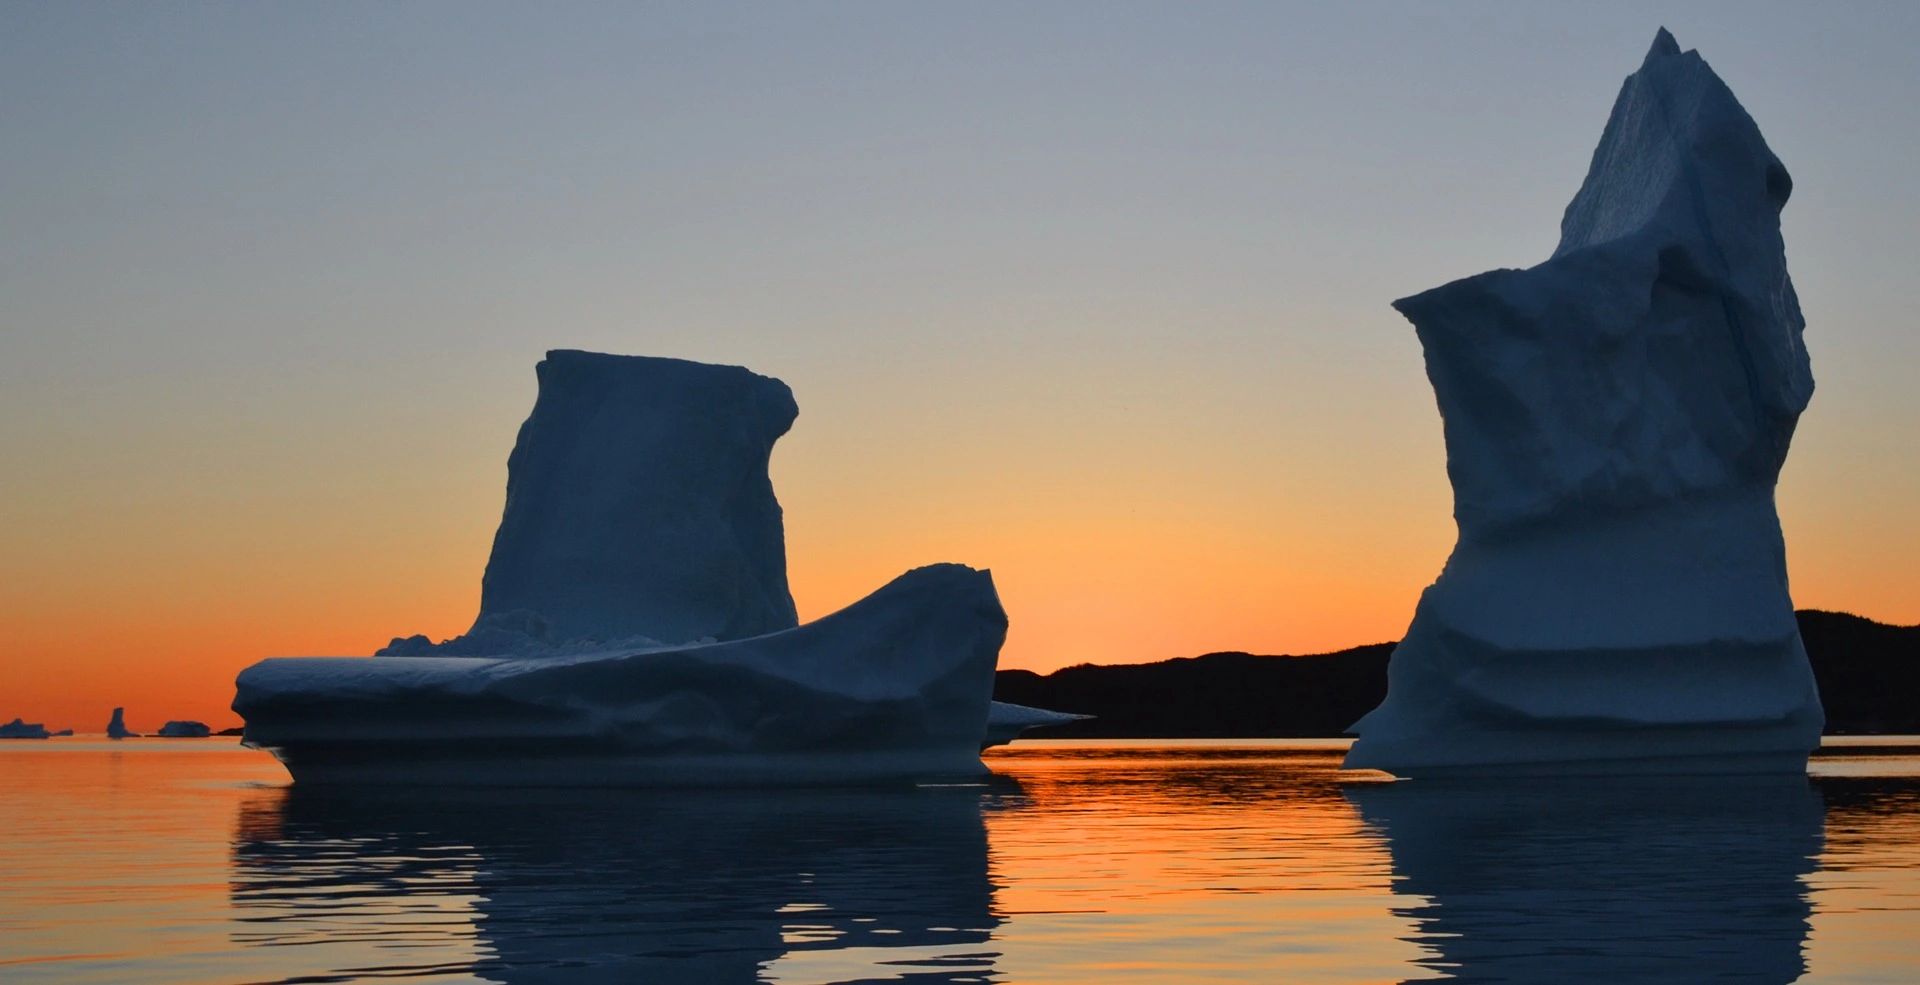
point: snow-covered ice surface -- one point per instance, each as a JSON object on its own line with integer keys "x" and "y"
{"x": 894, "y": 686}
{"x": 1006, "y": 720}
{"x": 1616, "y": 419}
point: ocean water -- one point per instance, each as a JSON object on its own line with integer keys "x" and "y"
{"x": 157, "y": 861}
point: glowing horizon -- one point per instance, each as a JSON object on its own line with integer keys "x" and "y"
{"x": 1097, "y": 302}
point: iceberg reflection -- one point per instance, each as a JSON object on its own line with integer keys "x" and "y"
{"x": 708, "y": 886}
{"x": 1646, "y": 880}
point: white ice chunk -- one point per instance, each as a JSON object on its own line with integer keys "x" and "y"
{"x": 639, "y": 510}
{"x": 1006, "y": 720}
{"x": 1616, "y": 419}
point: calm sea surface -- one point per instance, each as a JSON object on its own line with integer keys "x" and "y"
{"x": 154, "y": 861}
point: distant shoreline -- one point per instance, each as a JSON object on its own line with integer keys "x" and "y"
{"x": 1868, "y": 672}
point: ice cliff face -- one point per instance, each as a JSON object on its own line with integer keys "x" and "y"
{"x": 638, "y": 507}
{"x": 1615, "y": 421}
{"x": 894, "y": 686}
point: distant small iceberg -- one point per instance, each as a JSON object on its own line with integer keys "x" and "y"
{"x": 184, "y": 730}
{"x": 117, "y": 727}
{"x": 18, "y": 729}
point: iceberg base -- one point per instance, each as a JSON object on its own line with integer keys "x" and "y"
{"x": 895, "y": 686}
{"x": 1657, "y": 759}
{"x": 486, "y": 764}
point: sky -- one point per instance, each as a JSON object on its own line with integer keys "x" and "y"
{"x": 1091, "y": 294}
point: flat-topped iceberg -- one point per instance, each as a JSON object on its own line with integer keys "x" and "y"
{"x": 636, "y": 626}
{"x": 640, "y": 513}
{"x": 894, "y": 686}
{"x": 638, "y": 508}
{"x": 1616, "y": 419}
{"x": 22, "y": 729}
{"x": 184, "y": 730}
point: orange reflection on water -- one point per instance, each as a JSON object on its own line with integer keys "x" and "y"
{"x": 106, "y": 844}
{"x": 1133, "y": 855}
{"x": 1076, "y": 863}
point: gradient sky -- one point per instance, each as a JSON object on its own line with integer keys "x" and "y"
{"x": 1095, "y": 295}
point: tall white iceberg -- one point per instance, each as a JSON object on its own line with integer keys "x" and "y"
{"x": 1615, "y": 420}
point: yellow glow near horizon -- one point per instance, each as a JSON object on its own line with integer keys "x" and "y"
{"x": 160, "y": 616}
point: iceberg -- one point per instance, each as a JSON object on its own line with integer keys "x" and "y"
{"x": 1616, "y": 419}
{"x": 636, "y": 626}
{"x": 19, "y": 729}
{"x": 184, "y": 730}
{"x": 894, "y": 686}
{"x": 117, "y": 726}
{"x": 638, "y": 508}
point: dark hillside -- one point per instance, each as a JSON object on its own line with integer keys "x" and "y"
{"x": 1869, "y": 676}
{"x": 1869, "y": 672}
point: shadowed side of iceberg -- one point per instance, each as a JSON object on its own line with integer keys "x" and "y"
{"x": 894, "y": 686}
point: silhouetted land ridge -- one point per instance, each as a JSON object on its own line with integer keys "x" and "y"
{"x": 1869, "y": 674}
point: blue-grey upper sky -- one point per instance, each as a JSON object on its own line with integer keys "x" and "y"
{"x": 273, "y": 276}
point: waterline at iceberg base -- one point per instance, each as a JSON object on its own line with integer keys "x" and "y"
{"x": 1616, "y": 419}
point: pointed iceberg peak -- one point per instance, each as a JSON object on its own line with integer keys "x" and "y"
{"x": 1616, "y": 419}
{"x": 1663, "y": 46}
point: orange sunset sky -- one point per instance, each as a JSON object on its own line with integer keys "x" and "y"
{"x": 1100, "y": 306}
